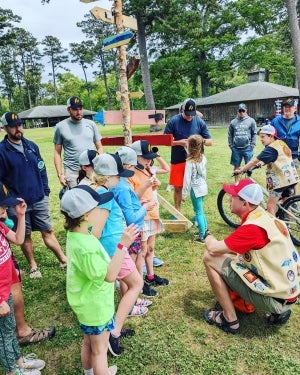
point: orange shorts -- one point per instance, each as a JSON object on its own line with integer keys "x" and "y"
{"x": 177, "y": 174}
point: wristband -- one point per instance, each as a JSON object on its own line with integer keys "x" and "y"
{"x": 122, "y": 247}
{"x": 207, "y": 233}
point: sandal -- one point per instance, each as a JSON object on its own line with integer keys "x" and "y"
{"x": 143, "y": 302}
{"x": 36, "y": 335}
{"x": 278, "y": 318}
{"x": 137, "y": 311}
{"x": 127, "y": 332}
{"x": 224, "y": 324}
{"x": 35, "y": 273}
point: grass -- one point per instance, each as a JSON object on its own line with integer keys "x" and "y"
{"x": 173, "y": 339}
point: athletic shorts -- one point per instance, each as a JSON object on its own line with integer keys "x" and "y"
{"x": 177, "y": 174}
{"x": 265, "y": 303}
{"x": 97, "y": 330}
{"x": 127, "y": 267}
{"x": 151, "y": 228}
{"x": 136, "y": 246}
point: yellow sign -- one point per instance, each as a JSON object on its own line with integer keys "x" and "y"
{"x": 136, "y": 94}
{"x": 107, "y": 16}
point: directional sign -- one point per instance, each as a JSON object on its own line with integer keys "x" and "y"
{"x": 107, "y": 16}
{"x": 87, "y": 1}
{"x": 117, "y": 40}
{"x": 136, "y": 94}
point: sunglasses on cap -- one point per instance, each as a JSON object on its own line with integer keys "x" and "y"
{"x": 242, "y": 110}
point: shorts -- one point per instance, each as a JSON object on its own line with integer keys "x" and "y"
{"x": 151, "y": 228}
{"x": 238, "y": 154}
{"x": 297, "y": 165}
{"x": 16, "y": 278}
{"x": 177, "y": 174}
{"x": 127, "y": 267}
{"x": 71, "y": 177}
{"x": 283, "y": 193}
{"x": 97, "y": 330}
{"x": 265, "y": 303}
{"x": 136, "y": 246}
{"x": 37, "y": 216}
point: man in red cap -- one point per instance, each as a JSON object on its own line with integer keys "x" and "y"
{"x": 265, "y": 271}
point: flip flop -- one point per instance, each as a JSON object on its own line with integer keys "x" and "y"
{"x": 224, "y": 324}
{"x": 143, "y": 302}
{"x": 36, "y": 335}
{"x": 137, "y": 311}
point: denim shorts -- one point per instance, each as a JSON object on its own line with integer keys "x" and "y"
{"x": 238, "y": 154}
{"x": 97, "y": 330}
{"x": 264, "y": 303}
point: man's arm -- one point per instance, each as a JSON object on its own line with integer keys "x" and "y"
{"x": 215, "y": 247}
{"x": 99, "y": 147}
{"x": 253, "y": 134}
{"x": 58, "y": 164}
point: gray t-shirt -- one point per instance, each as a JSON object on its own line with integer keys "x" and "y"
{"x": 75, "y": 137}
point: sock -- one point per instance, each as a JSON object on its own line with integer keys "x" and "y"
{"x": 150, "y": 277}
{"x": 88, "y": 372}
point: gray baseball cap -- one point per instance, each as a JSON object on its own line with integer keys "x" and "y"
{"x": 128, "y": 156}
{"x": 110, "y": 165}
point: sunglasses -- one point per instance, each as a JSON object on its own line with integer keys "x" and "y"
{"x": 242, "y": 110}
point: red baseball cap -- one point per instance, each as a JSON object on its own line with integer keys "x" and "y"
{"x": 245, "y": 189}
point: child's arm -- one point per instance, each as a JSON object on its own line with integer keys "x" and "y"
{"x": 18, "y": 236}
{"x": 164, "y": 166}
{"x": 126, "y": 240}
{"x": 249, "y": 165}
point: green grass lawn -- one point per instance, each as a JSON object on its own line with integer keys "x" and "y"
{"x": 173, "y": 338}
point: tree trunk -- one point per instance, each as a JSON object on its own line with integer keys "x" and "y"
{"x": 295, "y": 34}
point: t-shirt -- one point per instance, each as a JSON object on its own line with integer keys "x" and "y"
{"x": 268, "y": 155}
{"x": 75, "y": 137}
{"x": 114, "y": 226}
{"x": 8, "y": 274}
{"x": 89, "y": 295}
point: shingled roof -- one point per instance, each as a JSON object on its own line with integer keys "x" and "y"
{"x": 48, "y": 111}
{"x": 248, "y": 92}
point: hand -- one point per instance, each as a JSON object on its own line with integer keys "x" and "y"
{"x": 149, "y": 205}
{"x": 62, "y": 180}
{"x": 21, "y": 207}
{"x": 4, "y": 309}
{"x": 237, "y": 171}
{"x": 129, "y": 235}
{"x": 183, "y": 198}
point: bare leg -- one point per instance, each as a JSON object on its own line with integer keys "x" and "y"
{"x": 134, "y": 284}
{"x": 27, "y": 248}
{"x": 177, "y": 197}
{"x": 94, "y": 353}
{"x": 51, "y": 242}
{"x": 213, "y": 265}
{"x": 22, "y": 328}
{"x": 271, "y": 205}
{"x": 149, "y": 255}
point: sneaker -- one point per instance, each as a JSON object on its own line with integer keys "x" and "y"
{"x": 127, "y": 332}
{"x": 157, "y": 262}
{"x": 278, "y": 318}
{"x": 199, "y": 239}
{"x": 31, "y": 362}
{"x": 114, "y": 345}
{"x": 147, "y": 291}
{"x": 195, "y": 221}
{"x": 112, "y": 370}
{"x": 20, "y": 371}
{"x": 157, "y": 281}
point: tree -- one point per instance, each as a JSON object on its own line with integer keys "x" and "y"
{"x": 57, "y": 56}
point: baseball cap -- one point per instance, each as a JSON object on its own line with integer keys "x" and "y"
{"x": 81, "y": 199}
{"x": 144, "y": 149}
{"x": 189, "y": 107}
{"x": 11, "y": 119}
{"x": 87, "y": 156}
{"x": 288, "y": 101}
{"x": 110, "y": 165}
{"x": 242, "y": 106}
{"x": 128, "y": 156}
{"x": 74, "y": 102}
{"x": 6, "y": 200}
{"x": 246, "y": 189}
{"x": 268, "y": 129}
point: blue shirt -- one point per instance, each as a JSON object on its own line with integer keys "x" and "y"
{"x": 289, "y": 135}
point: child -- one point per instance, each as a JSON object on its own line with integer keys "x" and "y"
{"x": 162, "y": 169}
{"x": 194, "y": 181}
{"x": 86, "y": 167}
{"x": 91, "y": 274}
{"x": 144, "y": 184}
{"x": 281, "y": 173}
{"x": 10, "y": 355}
{"x": 108, "y": 169}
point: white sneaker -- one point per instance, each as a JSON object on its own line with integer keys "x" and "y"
{"x": 20, "y": 371}
{"x": 31, "y": 362}
{"x": 112, "y": 370}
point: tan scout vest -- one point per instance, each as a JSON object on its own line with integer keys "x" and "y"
{"x": 282, "y": 171}
{"x": 274, "y": 270}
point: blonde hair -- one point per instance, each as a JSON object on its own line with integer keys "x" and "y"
{"x": 99, "y": 179}
{"x": 195, "y": 146}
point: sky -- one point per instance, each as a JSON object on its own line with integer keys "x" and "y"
{"x": 58, "y": 19}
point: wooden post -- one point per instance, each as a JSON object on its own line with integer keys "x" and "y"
{"x": 125, "y": 103}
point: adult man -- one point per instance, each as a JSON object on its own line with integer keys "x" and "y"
{"x": 23, "y": 171}
{"x": 74, "y": 134}
{"x": 265, "y": 271}
{"x": 288, "y": 128}
{"x": 241, "y": 137}
{"x": 181, "y": 126}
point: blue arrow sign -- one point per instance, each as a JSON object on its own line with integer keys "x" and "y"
{"x": 117, "y": 40}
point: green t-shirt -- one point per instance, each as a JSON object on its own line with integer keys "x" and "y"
{"x": 89, "y": 295}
